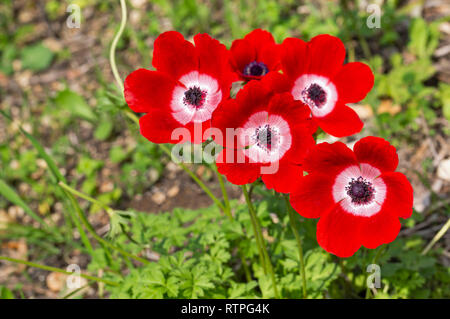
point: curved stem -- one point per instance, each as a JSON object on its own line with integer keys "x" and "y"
{"x": 260, "y": 238}
{"x": 54, "y": 269}
{"x": 112, "y": 51}
{"x": 91, "y": 230}
{"x": 299, "y": 243}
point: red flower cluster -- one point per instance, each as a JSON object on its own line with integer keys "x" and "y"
{"x": 267, "y": 129}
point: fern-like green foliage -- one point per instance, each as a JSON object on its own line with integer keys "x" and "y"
{"x": 200, "y": 254}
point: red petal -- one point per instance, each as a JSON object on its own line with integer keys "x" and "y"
{"x": 329, "y": 159}
{"x": 292, "y": 111}
{"x": 312, "y": 195}
{"x": 214, "y": 60}
{"x": 237, "y": 173}
{"x": 233, "y": 114}
{"x": 353, "y": 82}
{"x": 259, "y": 38}
{"x": 157, "y": 126}
{"x": 227, "y": 116}
{"x": 254, "y": 97}
{"x": 283, "y": 180}
{"x": 382, "y": 228}
{"x": 377, "y": 152}
{"x": 302, "y": 143}
{"x": 146, "y": 89}
{"x": 242, "y": 53}
{"x": 198, "y": 132}
{"x": 325, "y": 56}
{"x": 339, "y": 232}
{"x": 293, "y": 57}
{"x": 341, "y": 121}
{"x": 174, "y": 55}
{"x": 270, "y": 55}
{"x": 399, "y": 194}
{"x": 276, "y": 82}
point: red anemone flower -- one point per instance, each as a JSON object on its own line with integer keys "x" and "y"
{"x": 357, "y": 195}
{"x": 318, "y": 78}
{"x": 187, "y": 86}
{"x": 255, "y": 55}
{"x": 266, "y": 135}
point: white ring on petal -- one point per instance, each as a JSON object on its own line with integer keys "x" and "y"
{"x": 304, "y": 81}
{"x": 185, "y": 113}
{"x": 370, "y": 174}
{"x": 278, "y": 126}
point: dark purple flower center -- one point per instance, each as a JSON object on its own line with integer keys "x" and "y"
{"x": 194, "y": 96}
{"x": 314, "y": 95}
{"x": 265, "y": 137}
{"x": 255, "y": 69}
{"x": 360, "y": 191}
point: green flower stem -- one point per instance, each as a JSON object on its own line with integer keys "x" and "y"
{"x": 260, "y": 241}
{"x": 248, "y": 275}
{"x": 73, "y": 215}
{"x": 86, "y": 197}
{"x": 374, "y": 261}
{"x": 438, "y": 236}
{"x": 91, "y": 229}
{"x": 48, "y": 268}
{"x": 72, "y": 293}
{"x": 299, "y": 243}
{"x": 255, "y": 229}
{"x": 112, "y": 51}
{"x": 227, "y": 212}
{"x": 226, "y": 199}
{"x": 166, "y": 150}
{"x": 195, "y": 178}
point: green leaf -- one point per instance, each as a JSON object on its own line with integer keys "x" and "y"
{"x": 319, "y": 271}
{"x": 444, "y": 93}
{"x": 117, "y": 154}
{"x": 10, "y": 194}
{"x": 76, "y": 104}
{"x": 118, "y": 221}
{"x": 5, "y": 293}
{"x": 36, "y": 57}
{"x": 103, "y": 131}
{"x": 7, "y": 57}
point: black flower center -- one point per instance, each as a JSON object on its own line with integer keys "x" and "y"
{"x": 265, "y": 137}
{"x": 194, "y": 96}
{"x": 314, "y": 95}
{"x": 360, "y": 191}
{"x": 255, "y": 69}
